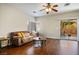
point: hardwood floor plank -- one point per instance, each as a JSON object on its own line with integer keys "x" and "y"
{"x": 53, "y": 47}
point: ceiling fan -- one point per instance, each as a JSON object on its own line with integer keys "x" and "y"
{"x": 48, "y": 8}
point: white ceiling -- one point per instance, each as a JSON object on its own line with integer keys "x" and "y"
{"x": 28, "y": 8}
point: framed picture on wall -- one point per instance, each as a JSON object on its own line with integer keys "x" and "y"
{"x": 68, "y": 27}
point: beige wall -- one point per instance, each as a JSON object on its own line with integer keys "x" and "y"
{"x": 50, "y": 25}
{"x": 12, "y": 19}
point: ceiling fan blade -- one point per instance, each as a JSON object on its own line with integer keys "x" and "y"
{"x": 55, "y": 6}
{"x": 55, "y": 10}
{"x": 44, "y": 6}
{"x": 42, "y": 9}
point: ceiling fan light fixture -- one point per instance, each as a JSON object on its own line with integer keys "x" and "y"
{"x": 48, "y": 9}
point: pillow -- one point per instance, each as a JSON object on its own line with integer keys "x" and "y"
{"x": 27, "y": 34}
{"x": 20, "y": 35}
{"x": 15, "y": 34}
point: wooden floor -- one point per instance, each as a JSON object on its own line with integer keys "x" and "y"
{"x": 53, "y": 47}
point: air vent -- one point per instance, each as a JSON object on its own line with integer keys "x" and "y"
{"x": 67, "y": 4}
{"x": 34, "y": 11}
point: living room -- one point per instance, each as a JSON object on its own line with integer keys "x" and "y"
{"x": 27, "y": 17}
